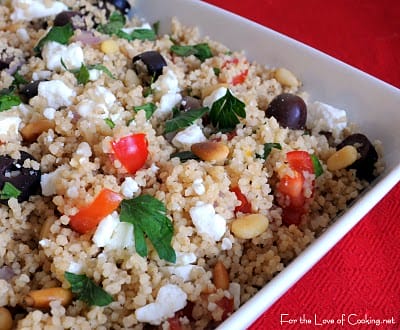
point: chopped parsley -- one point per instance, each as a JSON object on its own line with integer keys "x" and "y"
{"x": 201, "y": 51}
{"x": 318, "y": 170}
{"x": 184, "y": 119}
{"x": 117, "y": 22}
{"x": 87, "y": 290}
{"x": 226, "y": 111}
{"x": 109, "y": 122}
{"x": 184, "y": 156}
{"x": 268, "y": 148}
{"x": 18, "y": 80}
{"x": 217, "y": 71}
{"x": 9, "y": 191}
{"x": 8, "y": 99}
{"x": 148, "y": 216}
{"x": 148, "y": 108}
{"x": 60, "y": 34}
{"x": 82, "y": 74}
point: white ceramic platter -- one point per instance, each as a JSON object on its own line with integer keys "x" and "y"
{"x": 369, "y": 102}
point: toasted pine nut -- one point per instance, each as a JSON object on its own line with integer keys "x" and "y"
{"x": 31, "y": 131}
{"x": 109, "y": 46}
{"x": 209, "y": 151}
{"x": 249, "y": 226}
{"x": 42, "y": 298}
{"x": 6, "y": 321}
{"x": 220, "y": 276}
{"x": 207, "y": 90}
{"x": 286, "y": 77}
{"x": 45, "y": 230}
{"x": 342, "y": 158}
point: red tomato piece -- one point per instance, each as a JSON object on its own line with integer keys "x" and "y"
{"x": 131, "y": 151}
{"x": 300, "y": 161}
{"x": 245, "y": 206}
{"x": 240, "y": 78}
{"x": 89, "y": 216}
{"x": 227, "y": 305}
{"x": 291, "y": 186}
{"x": 292, "y": 215}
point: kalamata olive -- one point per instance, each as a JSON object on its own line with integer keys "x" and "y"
{"x": 289, "y": 110}
{"x": 66, "y": 17}
{"x": 27, "y": 180}
{"x": 29, "y": 90}
{"x": 149, "y": 65}
{"x": 122, "y": 5}
{"x": 190, "y": 103}
{"x": 365, "y": 165}
{"x": 4, "y": 63}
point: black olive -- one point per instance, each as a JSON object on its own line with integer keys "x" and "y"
{"x": 289, "y": 110}
{"x": 122, "y": 5}
{"x": 65, "y": 17}
{"x": 149, "y": 65}
{"x": 29, "y": 90}
{"x": 365, "y": 165}
{"x": 27, "y": 180}
{"x": 4, "y": 64}
{"x": 190, "y": 103}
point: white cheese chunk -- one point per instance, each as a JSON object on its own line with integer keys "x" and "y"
{"x": 122, "y": 236}
{"x": 183, "y": 272}
{"x": 198, "y": 186}
{"x": 167, "y": 103}
{"x": 190, "y": 135}
{"x": 9, "y": 124}
{"x": 99, "y": 100}
{"x": 214, "y": 96}
{"x": 207, "y": 222}
{"x": 185, "y": 258}
{"x": 226, "y": 244}
{"x": 234, "y": 289}
{"x": 94, "y": 74}
{"x": 28, "y": 10}
{"x": 48, "y": 181}
{"x": 49, "y": 113}
{"x": 53, "y": 52}
{"x": 167, "y": 83}
{"x": 105, "y": 230}
{"x": 170, "y": 298}
{"x": 129, "y": 187}
{"x": 324, "y": 117}
{"x": 56, "y": 92}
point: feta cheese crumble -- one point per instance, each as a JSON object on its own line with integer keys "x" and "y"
{"x": 190, "y": 135}
{"x": 56, "y": 92}
{"x": 53, "y": 52}
{"x": 170, "y": 299}
{"x": 207, "y": 222}
{"x": 28, "y": 10}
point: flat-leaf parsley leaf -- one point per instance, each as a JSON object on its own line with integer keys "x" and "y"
{"x": 87, "y": 290}
{"x": 148, "y": 108}
{"x": 8, "y": 99}
{"x": 201, "y": 51}
{"x": 184, "y": 119}
{"x": 148, "y": 216}
{"x": 225, "y": 112}
{"x": 9, "y": 191}
{"x": 60, "y": 34}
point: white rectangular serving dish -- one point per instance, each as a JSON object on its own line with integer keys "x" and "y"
{"x": 370, "y": 103}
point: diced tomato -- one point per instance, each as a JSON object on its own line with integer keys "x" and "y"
{"x": 291, "y": 188}
{"x": 89, "y": 216}
{"x": 174, "y": 323}
{"x": 300, "y": 161}
{"x": 131, "y": 151}
{"x": 227, "y": 305}
{"x": 245, "y": 206}
{"x": 240, "y": 78}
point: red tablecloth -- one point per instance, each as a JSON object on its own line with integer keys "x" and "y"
{"x": 359, "y": 279}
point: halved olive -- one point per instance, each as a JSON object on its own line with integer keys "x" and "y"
{"x": 289, "y": 110}
{"x": 122, "y": 5}
{"x": 149, "y": 65}
{"x": 365, "y": 165}
{"x": 66, "y": 17}
{"x": 27, "y": 180}
{"x": 30, "y": 90}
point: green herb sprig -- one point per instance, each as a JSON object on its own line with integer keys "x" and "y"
{"x": 60, "y": 34}
{"x": 148, "y": 108}
{"x": 9, "y": 191}
{"x": 87, "y": 290}
{"x": 184, "y": 119}
{"x": 82, "y": 74}
{"x": 8, "y": 99}
{"x": 202, "y": 51}
{"x": 226, "y": 111}
{"x": 148, "y": 216}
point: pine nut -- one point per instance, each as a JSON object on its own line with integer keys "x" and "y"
{"x": 286, "y": 77}
{"x": 249, "y": 226}
{"x": 220, "y": 276}
{"x": 342, "y": 158}
{"x": 109, "y": 46}
{"x": 6, "y": 321}
{"x": 31, "y": 131}
{"x": 42, "y": 298}
{"x": 209, "y": 151}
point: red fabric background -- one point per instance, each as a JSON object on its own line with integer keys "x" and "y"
{"x": 361, "y": 275}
